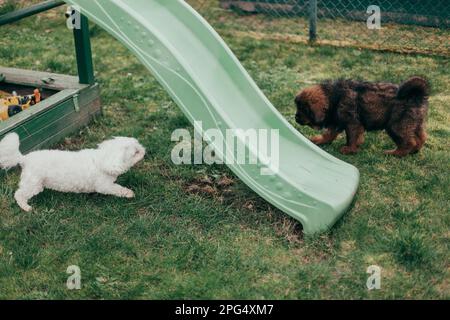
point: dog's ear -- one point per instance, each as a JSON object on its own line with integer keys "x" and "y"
{"x": 298, "y": 99}
{"x": 112, "y": 160}
{"x": 319, "y": 113}
{"x": 318, "y": 103}
{"x": 113, "y": 165}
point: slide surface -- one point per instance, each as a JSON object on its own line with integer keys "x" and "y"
{"x": 208, "y": 83}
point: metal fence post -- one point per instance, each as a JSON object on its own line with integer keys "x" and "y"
{"x": 312, "y": 20}
{"x": 83, "y": 51}
{"x": 20, "y": 14}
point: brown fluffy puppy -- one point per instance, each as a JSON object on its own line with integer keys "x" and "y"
{"x": 356, "y": 107}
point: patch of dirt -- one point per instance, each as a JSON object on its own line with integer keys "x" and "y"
{"x": 290, "y": 230}
{"x": 211, "y": 186}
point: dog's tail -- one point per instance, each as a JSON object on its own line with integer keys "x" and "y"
{"x": 10, "y": 155}
{"x": 415, "y": 88}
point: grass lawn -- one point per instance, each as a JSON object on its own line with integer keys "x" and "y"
{"x": 223, "y": 241}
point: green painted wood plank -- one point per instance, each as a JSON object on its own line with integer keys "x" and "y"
{"x": 65, "y": 131}
{"x": 32, "y": 78}
{"x": 63, "y": 113}
{"x": 66, "y": 124}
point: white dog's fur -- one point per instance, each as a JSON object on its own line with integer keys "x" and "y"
{"x": 85, "y": 171}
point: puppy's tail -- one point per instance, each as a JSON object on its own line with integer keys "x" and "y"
{"x": 415, "y": 88}
{"x": 10, "y": 155}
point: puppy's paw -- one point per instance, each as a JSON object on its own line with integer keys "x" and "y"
{"x": 317, "y": 140}
{"x": 349, "y": 150}
{"x": 26, "y": 207}
{"x": 129, "y": 194}
{"x": 396, "y": 153}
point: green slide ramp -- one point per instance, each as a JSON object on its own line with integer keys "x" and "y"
{"x": 209, "y": 84}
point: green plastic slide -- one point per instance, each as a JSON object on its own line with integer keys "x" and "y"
{"x": 208, "y": 83}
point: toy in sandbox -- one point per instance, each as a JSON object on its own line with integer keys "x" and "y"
{"x": 14, "y": 104}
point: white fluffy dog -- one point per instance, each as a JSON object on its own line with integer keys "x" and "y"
{"x": 85, "y": 171}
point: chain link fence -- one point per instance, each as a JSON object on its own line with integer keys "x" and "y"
{"x": 410, "y": 26}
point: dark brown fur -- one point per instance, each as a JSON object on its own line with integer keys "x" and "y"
{"x": 356, "y": 107}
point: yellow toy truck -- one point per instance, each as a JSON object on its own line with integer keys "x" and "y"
{"x": 12, "y": 105}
